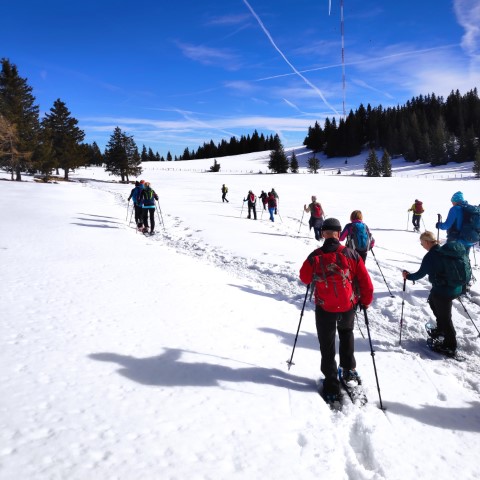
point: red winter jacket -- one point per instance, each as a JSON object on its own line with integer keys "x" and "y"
{"x": 337, "y": 289}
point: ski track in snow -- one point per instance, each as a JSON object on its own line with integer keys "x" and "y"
{"x": 356, "y": 424}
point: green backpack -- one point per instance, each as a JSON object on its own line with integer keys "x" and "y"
{"x": 452, "y": 266}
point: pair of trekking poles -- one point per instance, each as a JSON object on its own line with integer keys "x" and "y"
{"x": 372, "y": 352}
{"x": 159, "y": 214}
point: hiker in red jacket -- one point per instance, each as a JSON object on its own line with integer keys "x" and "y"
{"x": 340, "y": 281}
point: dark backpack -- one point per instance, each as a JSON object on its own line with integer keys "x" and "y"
{"x": 470, "y": 231}
{"x": 359, "y": 237}
{"x": 452, "y": 266}
{"x": 333, "y": 281}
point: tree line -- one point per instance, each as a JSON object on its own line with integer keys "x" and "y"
{"x": 427, "y": 129}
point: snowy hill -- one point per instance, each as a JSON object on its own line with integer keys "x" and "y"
{"x": 127, "y": 357}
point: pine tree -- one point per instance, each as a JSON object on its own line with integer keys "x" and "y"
{"x": 65, "y": 137}
{"x": 476, "y": 164}
{"x": 372, "y": 165}
{"x": 313, "y": 164}
{"x": 386, "y": 165}
{"x": 121, "y": 156}
{"x": 278, "y": 162}
{"x": 294, "y": 163}
{"x": 169, "y": 156}
{"x": 144, "y": 155}
{"x": 17, "y": 106}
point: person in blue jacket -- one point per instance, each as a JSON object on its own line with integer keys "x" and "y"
{"x": 135, "y": 197}
{"x": 441, "y": 296}
{"x": 147, "y": 201}
{"x": 453, "y": 223}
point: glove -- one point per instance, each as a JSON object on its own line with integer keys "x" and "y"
{"x": 437, "y": 225}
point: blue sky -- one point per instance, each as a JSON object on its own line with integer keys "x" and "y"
{"x": 175, "y": 74}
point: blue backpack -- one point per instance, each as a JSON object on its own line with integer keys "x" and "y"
{"x": 359, "y": 237}
{"x": 470, "y": 231}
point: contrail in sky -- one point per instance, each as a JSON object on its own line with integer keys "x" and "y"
{"x": 267, "y": 33}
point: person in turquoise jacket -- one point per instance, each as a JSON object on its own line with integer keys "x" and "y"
{"x": 453, "y": 223}
{"x": 441, "y": 296}
{"x": 147, "y": 201}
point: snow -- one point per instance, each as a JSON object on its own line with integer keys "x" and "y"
{"x": 133, "y": 357}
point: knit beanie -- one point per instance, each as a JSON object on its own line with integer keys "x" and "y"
{"x": 332, "y": 224}
{"x": 458, "y": 197}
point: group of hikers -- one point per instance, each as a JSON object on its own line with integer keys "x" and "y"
{"x": 269, "y": 200}
{"x": 341, "y": 282}
{"x": 143, "y": 198}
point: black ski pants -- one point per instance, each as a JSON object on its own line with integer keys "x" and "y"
{"x": 416, "y": 220}
{"x": 146, "y": 211}
{"x": 138, "y": 215}
{"x": 442, "y": 309}
{"x": 328, "y": 323}
{"x": 250, "y": 209}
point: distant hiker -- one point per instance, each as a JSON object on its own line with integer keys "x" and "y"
{"x": 264, "y": 197}
{"x": 135, "y": 196}
{"x": 333, "y": 270}
{"x": 224, "y": 193}
{"x": 358, "y": 235}
{"x": 147, "y": 201}
{"x": 277, "y": 198}
{"x": 316, "y": 217}
{"x": 445, "y": 286}
{"x": 462, "y": 223}
{"x": 252, "y": 202}
{"x": 417, "y": 210}
{"x": 272, "y": 205}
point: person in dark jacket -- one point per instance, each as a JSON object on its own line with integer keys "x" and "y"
{"x": 264, "y": 197}
{"x": 224, "y": 193}
{"x": 147, "y": 201}
{"x": 252, "y": 202}
{"x": 272, "y": 205}
{"x": 441, "y": 296}
{"x": 316, "y": 217}
{"x": 135, "y": 196}
{"x": 340, "y": 280}
{"x": 454, "y": 222}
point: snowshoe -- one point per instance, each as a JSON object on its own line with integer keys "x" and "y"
{"x": 352, "y": 384}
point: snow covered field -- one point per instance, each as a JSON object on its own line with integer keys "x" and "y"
{"x": 127, "y": 357}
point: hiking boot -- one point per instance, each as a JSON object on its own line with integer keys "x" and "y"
{"x": 331, "y": 398}
{"x": 439, "y": 346}
{"x": 351, "y": 376}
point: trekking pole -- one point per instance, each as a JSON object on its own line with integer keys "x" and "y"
{"x": 160, "y": 216}
{"x": 131, "y": 215}
{"x": 424, "y": 227}
{"x": 128, "y": 206}
{"x": 373, "y": 356}
{"x": 461, "y": 303}
{"x": 408, "y": 219}
{"x": 290, "y": 362}
{"x": 391, "y": 294}
{"x": 474, "y": 256}
{"x": 241, "y": 211}
{"x": 358, "y": 323}
{"x": 439, "y": 218}
{"x": 401, "y": 315}
{"x": 301, "y": 222}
